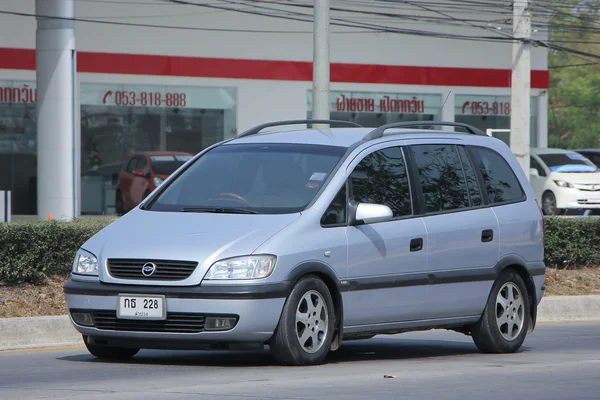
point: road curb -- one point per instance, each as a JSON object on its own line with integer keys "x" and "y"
{"x": 56, "y": 331}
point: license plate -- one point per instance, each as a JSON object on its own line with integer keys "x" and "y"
{"x": 141, "y": 307}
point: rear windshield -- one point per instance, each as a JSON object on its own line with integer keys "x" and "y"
{"x": 166, "y": 165}
{"x": 568, "y": 162}
{"x": 259, "y": 178}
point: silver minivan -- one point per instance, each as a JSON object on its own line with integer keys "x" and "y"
{"x": 301, "y": 239}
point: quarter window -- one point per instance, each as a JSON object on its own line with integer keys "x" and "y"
{"x": 500, "y": 181}
{"x": 336, "y": 212}
{"x": 536, "y": 165}
{"x": 381, "y": 178}
{"x": 442, "y": 178}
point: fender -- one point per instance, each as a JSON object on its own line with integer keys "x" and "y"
{"x": 330, "y": 278}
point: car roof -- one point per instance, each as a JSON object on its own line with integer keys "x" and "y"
{"x": 551, "y": 151}
{"x": 343, "y": 137}
{"x": 160, "y": 153}
{"x": 588, "y": 150}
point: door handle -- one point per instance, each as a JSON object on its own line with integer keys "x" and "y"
{"x": 487, "y": 235}
{"x": 416, "y": 244}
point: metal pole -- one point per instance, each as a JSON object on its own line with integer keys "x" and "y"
{"x": 521, "y": 84}
{"x": 55, "y": 76}
{"x": 321, "y": 60}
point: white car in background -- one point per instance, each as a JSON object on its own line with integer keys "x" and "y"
{"x": 564, "y": 180}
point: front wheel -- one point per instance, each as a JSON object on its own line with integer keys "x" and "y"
{"x": 504, "y": 324}
{"x": 110, "y": 352}
{"x": 549, "y": 204}
{"x": 307, "y": 324}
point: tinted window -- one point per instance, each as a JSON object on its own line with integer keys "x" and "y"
{"x": 595, "y": 158}
{"x": 472, "y": 184}
{"x": 536, "y": 165}
{"x": 261, "y": 178}
{"x": 442, "y": 178}
{"x": 380, "y": 178}
{"x": 166, "y": 165}
{"x": 567, "y": 162}
{"x": 336, "y": 212}
{"x": 500, "y": 181}
{"x": 131, "y": 165}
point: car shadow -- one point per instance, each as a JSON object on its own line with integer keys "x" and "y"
{"x": 376, "y": 349}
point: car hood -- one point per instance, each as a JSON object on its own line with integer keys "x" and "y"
{"x": 585, "y": 178}
{"x": 201, "y": 237}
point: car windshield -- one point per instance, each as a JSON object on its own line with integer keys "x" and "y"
{"x": 167, "y": 164}
{"x": 568, "y": 162}
{"x": 251, "y": 178}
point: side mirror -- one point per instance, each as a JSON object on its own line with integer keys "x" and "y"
{"x": 372, "y": 213}
{"x": 138, "y": 172}
{"x": 534, "y": 172}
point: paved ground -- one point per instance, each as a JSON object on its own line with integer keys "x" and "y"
{"x": 557, "y": 362}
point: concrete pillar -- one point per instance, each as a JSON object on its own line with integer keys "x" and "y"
{"x": 56, "y": 128}
{"x": 542, "y": 120}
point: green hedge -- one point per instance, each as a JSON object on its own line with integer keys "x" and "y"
{"x": 572, "y": 242}
{"x": 32, "y": 251}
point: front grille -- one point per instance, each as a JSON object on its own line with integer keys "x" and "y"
{"x": 588, "y": 187}
{"x": 166, "y": 270}
{"x": 175, "y": 323}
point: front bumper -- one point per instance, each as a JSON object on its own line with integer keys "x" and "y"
{"x": 577, "y": 199}
{"x": 257, "y": 308}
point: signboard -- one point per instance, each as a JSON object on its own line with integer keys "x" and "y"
{"x": 17, "y": 92}
{"x": 495, "y": 106}
{"x": 98, "y": 94}
{"x": 383, "y": 103}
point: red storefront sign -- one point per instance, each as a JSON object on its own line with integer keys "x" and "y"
{"x": 486, "y": 108}
{"x": 386, "y": 104}
{"x": 23, "y": 94}
{"x": 133, "y": 98}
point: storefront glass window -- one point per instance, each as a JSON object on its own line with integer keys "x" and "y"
{"x": 18, "y": 145}
{"x": 492, "y": 112}
{"x": 119, "y": 120}
{"x": 375, "y": 109}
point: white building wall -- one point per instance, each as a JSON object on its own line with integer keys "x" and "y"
{"x": 348, "y": 45}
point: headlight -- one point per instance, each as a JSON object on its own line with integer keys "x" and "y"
{"x": 157, "y": 181}
{"x": 250, "y": 267}
{"x": 85, "y": 263}
{"x": 563, "y": 184}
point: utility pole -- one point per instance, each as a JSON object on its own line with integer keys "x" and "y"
{"x": 521, "y": 84}
{"x": 321, "y": 60}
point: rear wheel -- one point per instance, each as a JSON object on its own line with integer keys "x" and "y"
{"x": 504, "y": 324}
{"x": 307, "y": 324}
{"x": 110, "y": 352}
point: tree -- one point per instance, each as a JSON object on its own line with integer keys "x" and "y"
{"x": 574, "y": 93}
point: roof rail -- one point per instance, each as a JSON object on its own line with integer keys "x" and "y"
{"x": 378, "y": 132}
{"x": 258, "y": 128}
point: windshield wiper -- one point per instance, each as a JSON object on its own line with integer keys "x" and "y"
{"x": 224, "y": 210}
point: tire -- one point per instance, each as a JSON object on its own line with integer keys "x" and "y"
{"x": 549, "y": 204}
{"x": 110, "y": 352}
{"x": 119, "y": 206}
{"x": 293, "y": 343}
{"x": 505, "y": 321}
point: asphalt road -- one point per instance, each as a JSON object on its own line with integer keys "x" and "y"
{"x": 559, "y": 361}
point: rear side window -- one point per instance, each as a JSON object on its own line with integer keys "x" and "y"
{"x": 380, "y": 178}
{"x": 442, "y": 178}
{"x": 500, "y": 181}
